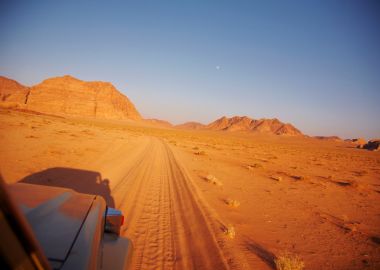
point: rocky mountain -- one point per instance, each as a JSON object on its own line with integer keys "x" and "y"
{"x": 244, "y": 123}
{"x": 190, "y": 125}
{"x": 69, "y": 96}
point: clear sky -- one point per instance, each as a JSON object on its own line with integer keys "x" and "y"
{"x": 315, "y": 64}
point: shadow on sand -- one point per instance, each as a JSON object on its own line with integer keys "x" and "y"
{"x": 82, "y": 181}
{"x": 265, "y": 255}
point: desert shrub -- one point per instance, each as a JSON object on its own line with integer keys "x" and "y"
{"x": 350, "y": 226}
{"x": 254, "y": 166}
{"x": 232, "y": 203}
{"x": 213, "y": 180}
{"x": 230, "y": 231}
{"x": 200, "y": 153}
{"x": 276, "y": 178}
{"x": 288, "y": 261}
{"x": 257, "y": 165}
{"x": 298, "y": 177}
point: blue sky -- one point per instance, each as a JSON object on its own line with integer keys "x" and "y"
{"x": 315, "y": 64}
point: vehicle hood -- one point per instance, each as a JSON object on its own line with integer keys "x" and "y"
{"x": 56, "y": 216}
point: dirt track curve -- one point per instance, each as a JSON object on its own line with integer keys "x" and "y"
{"x": 165, "y": 218}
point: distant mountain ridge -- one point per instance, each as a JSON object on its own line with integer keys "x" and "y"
{"x": 69, "y": 96}
{"x": 190, "y": 125}
{"x": 244, "y": 123}
{"x": 158, "y": 122}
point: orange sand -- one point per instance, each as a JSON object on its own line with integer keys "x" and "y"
{"x": 317, "y": 199}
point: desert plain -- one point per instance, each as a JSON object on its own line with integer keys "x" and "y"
{"x": 200, "y": 199}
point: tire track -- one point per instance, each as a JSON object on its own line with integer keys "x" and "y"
{"x": 165, "y": 222}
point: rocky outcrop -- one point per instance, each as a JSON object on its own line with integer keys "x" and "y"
{"x": 359, "y": 142}
{"x": 69, "y": 96}
{"x": 244, "y": 123}
{"x": 373, "y": 145}
{"x": 12, "y": 92}
{"x": 191, "y": 125}
{"x": 328, "y": 138}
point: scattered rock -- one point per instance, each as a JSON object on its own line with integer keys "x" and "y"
{"x": 359, "y": 141}
{"x": 298, "y": 177}
{"x": 372, "y": 145}
{"x": 276, "y": 178}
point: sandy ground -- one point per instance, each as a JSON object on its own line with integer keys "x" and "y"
{"x": 182, "y": 192}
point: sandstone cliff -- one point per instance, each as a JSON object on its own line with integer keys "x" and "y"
{"x": 69, "y": 96}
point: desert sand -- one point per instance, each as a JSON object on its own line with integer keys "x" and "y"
{"x": 200, "y": 199}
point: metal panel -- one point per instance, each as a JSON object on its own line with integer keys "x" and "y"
{"x": 56, "y": 221}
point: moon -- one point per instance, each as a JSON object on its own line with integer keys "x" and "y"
{"x": 217, "y": 67}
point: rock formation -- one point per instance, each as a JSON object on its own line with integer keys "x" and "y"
{"x": 69, "y": 96}
{"x": 190, "y": 125}
{"x": 359, "y": 142}
{"x": 244, "y": 123}
{"x": 373, "y": 145}
{"x": 328, "y": 138}
{"x": 12, "y": 92}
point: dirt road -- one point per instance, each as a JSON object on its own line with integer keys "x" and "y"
{"x": 164, "y": 215}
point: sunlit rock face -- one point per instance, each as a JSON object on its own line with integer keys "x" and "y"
{"x": 244, "y": 123}
{"x": 69, "y": 96}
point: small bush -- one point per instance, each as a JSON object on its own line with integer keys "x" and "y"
{"x": 254, "y": 166}
{"x": 213, "y": 180}
{"x": 232, "y": 203}
{"x": 257, "y": 165}
{"x": 276, "y": 178}
{"x": 230, "y": 231}
{"x": 298, "y": 177}
{"x": 200, "y": 153}
{"x": 288, "y": 261}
